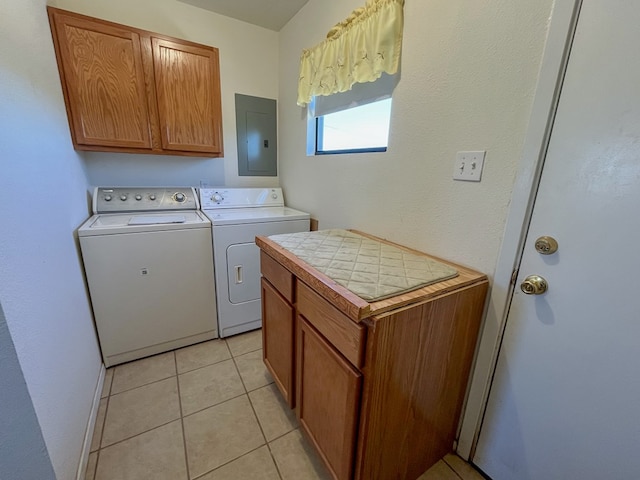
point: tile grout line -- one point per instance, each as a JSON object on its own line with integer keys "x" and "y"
{"x": 184, "y": 435}
{"x": 138, "y": 434}
{"x": 208, "y": 364}
{"x": 452, "y": 468}
{"x": 284, "y": 434}
{"x": 230, "y": 461}
{"x": 214, "y": 405}
{"x": 235, "y": 364}
{"x": 104, "y": 422}
{"x": 247, "y": 352}
{"x": 273, "y": 459}
{"x": 245, "y": 393}
{"x": 181, "y": 417}
{"x": 271, "y": 451}
{"x": 243, "y": 353}
{"x": 143, "y": 385}
{"x": 268, "y": 443}
{"x": 255, "y": 414}
{"x": 116, "y": 367}
{"x": 204, "y": 366}
{"x": 101, "y": 447}
{"x": 240, "y": 373}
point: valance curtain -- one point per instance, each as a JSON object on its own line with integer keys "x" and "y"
{"x": 356, "y": 50}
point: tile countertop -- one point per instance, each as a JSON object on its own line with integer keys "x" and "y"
{"x": 348, "y": 302}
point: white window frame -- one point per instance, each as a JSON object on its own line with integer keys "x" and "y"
{"x": 360, "y": 94}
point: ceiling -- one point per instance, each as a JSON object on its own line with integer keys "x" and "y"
{"x": 271, "y": 14}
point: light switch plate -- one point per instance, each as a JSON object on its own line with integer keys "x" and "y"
{"x": 468, "y": 166}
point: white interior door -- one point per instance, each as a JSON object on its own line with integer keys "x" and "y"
{"x": 565, "y": 399}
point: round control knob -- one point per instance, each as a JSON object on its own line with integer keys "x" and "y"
{"x": 123, "y": 197}
{"x": 217, "y": 198}
{"x": 138, "y": 197}
{"x": 274, "y": 195}
{"x": 107, "y": 198}
{"x": 179, "y": 197}
{"x": 152, "y": 197}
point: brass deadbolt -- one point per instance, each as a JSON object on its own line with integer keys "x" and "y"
{"x": 546, "y": 245}
{"x": 534, "y": 285}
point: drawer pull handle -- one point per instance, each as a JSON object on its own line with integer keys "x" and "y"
{"x": 238, "y": 273}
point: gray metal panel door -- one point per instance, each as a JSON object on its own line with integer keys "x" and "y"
{"x": 257, "y": 136}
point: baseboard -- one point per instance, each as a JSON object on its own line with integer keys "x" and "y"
{"x": 91, "y": 424}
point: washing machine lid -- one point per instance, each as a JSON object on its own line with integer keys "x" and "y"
{"x": 242, "y": 216}
{"x": 112, "y": 223}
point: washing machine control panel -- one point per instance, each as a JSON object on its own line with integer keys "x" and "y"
{"x": 143, "y": 199}
{"x": 213, "y": 198}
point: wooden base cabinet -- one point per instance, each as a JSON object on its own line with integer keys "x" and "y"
{"x": 416, "y": 370}
{"x": 132, "y": 91}
{"x": 379, "y": 386}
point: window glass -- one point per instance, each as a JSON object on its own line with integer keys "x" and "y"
{"x": 360, "y": 129}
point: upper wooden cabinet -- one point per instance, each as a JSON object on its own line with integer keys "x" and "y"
{"x": 129, "y": 90}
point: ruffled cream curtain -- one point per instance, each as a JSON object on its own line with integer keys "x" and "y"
{"x": 357, "y": 50}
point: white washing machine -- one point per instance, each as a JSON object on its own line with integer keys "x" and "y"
{"x": 148, "y": 261}
{"x": 237, "y": 216}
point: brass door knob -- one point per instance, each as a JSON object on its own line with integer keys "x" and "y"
{"x": 534, "y": 285}
{"x": 546, "y": 245}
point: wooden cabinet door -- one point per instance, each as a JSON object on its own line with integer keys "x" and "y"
{"x": 277, "y": 337}
{"x": 188, "y": 96}
{"x": 328, "y": 399}
{"x": 102, "y": 73}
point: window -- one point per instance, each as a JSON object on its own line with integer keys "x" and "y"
{"x": 353, "y": 121}
{"x": 363, "y": 128}
{"x": 353, "y": 71}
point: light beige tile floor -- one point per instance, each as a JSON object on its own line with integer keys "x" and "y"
{"x": 208, "y": 412}
{"x": 451, "y": 467}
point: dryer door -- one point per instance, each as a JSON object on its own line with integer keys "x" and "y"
{"x": 243, "y": 272}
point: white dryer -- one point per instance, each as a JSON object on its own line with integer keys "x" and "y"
{"x": 148, "y": 261}
{"x": 237, "y": 216}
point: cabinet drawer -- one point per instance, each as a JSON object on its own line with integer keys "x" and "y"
{"x": 280, "y": 277}
{"x": 345, "y": 335}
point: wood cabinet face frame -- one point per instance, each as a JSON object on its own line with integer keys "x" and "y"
{"x": 160, "y": 125}
{"x": 346, "y": 336}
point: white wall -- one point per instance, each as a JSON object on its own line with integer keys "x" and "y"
{"x": 42, "y": 201}
{"x": 248, "y": 65}
{"x": 23, "y": 453}
{"x": 469, "y": 71}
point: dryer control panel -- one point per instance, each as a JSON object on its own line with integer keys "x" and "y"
{"x": 143, "y": 199}
{"x": 223, "y": 197}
